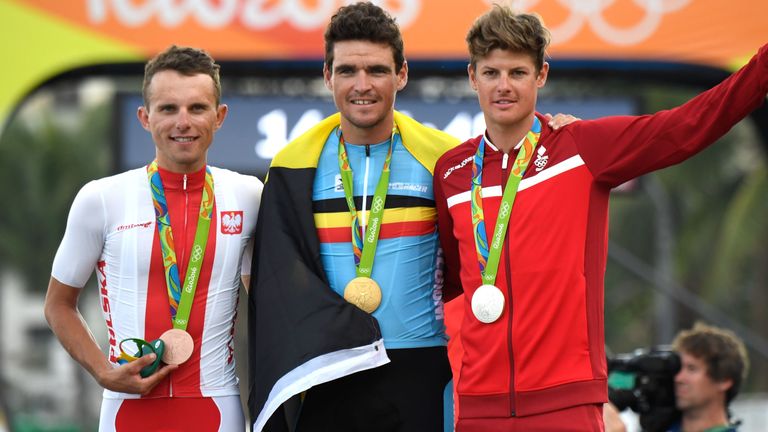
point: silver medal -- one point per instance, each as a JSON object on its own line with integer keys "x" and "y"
{"x": 487, "y": 304}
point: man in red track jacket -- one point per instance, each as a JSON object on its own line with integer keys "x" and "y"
{"x": 523, "y": 220}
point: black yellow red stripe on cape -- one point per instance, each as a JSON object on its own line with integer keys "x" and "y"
{"x": 300, "y": 332}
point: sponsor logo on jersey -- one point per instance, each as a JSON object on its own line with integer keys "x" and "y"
{"x": 437, "y": 288}
{"x": 231, "y": 222}
{"x": 461, "y": 164}
{"x": 134, "y": 225}
{"x": 411, "y": 187}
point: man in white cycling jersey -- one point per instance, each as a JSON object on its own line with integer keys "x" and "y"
{"x": 168, "y": 242}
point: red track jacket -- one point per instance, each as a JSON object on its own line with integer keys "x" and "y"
{"x": 546, "y": 351}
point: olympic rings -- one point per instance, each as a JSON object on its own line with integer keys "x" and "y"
{"x": 590, "y": 13}
{"x": 197, "y": 253}
{"x": 378, "y": 203}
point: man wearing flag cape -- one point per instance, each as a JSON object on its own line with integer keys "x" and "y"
{"x": 346, "y": 295}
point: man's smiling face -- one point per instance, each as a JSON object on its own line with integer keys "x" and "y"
{"x": 364, "y": 83}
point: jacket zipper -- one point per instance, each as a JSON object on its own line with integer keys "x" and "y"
{"x": 183, "y": 256}
{"x": 363, "y": 215}
{"x": 508, "y": 275}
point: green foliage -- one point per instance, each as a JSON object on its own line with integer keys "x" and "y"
{"x": 718, "y": 203}
{"x": 742, "y": 236}
{"x": 44, "y": 160}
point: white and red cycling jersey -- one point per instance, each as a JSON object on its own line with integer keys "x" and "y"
{"x": 111, "y": 228}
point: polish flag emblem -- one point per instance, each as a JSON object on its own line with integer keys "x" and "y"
{"x": 232, "y": 222}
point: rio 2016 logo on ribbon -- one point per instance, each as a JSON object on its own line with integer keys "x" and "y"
{"x": 500, "y": 230}
{"x": 372, "y": 230}
{"x": 590, "y": 13}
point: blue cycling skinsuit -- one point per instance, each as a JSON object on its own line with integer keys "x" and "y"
{"x": 406, "y": 394}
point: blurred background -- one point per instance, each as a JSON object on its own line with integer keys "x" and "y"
{"x": 688, "y": 243}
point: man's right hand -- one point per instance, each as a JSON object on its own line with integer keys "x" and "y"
{"x": 75, "y": 336}
{"x": 126, "y": 378}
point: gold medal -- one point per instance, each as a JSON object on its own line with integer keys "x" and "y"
{"x": 178, "y": 346}
{"x": 364, "y": 293}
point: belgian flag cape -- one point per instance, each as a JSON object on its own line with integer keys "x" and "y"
{"x": 300, "y": 332}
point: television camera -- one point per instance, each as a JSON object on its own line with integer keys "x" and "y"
{"x": 644, "y": 381}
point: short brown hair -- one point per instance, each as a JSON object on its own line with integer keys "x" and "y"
{"x": 723, "y": 352}
{"x": 502, "y": 28}
{"x": 366, "y": 22}
{"x": 186, "y": 61}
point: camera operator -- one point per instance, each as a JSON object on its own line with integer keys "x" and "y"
{"x": 713, "y": 365}
{"x": 707, "y": 366}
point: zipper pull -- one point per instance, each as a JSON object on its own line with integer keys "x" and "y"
{"x": 185, "y": 181}
{"x": 504, "y": 161}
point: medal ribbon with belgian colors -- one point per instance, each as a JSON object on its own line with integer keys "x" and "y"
{"x": 488, "y": 255}
{"x": 180, "y": 298}
{"x": 364, "y": 248}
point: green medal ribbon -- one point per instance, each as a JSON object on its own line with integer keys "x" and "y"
{"x": 489, "y": 254}
{"x": 365, "y": 248}
{"x": 180, "y": 298}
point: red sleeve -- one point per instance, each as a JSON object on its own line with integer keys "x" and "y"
{"x": 617, "y": 149}
{"x": 448, "y": 243}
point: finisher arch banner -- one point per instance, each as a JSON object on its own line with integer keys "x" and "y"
{"x": 44, "y": 38}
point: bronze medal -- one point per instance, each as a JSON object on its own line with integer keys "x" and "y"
{"x": 178, "y": 346}
{"x": 364, "y": 293}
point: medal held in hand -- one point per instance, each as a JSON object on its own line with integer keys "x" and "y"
{"x": 178, "y": 346}
{"x": 363, "y": 291}
{"x": 488, "y": 300}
